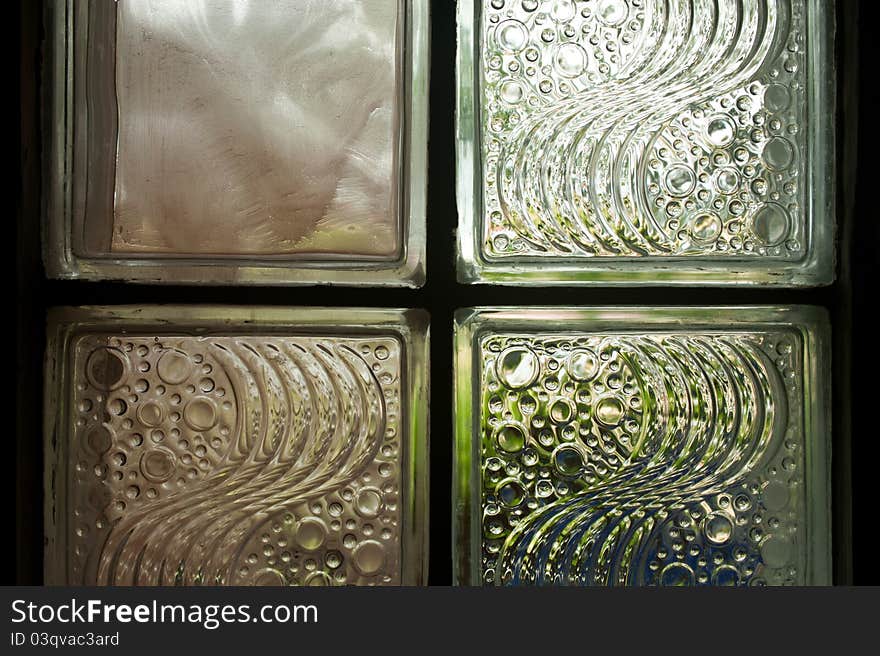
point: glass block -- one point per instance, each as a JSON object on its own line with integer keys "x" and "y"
{"x": 232, "y": 142}
{"x": 642, "y": 447}
{"x": 228, "y": 446}
{"x": 646, "y": 143}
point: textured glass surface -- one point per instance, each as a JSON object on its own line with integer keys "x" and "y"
{"x": 199, "y": 452}
{"x": 275, "y": 163}
{"x": 285, "y": 135}
{"x": 609, "y": 140}
{"x": 639, "y": 447}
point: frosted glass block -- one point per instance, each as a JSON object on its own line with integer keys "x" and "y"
{"x": 224, "y": 446}
{"x": 646, "y": 142}
{"x": 642, "y": 447}
{"x": 247, "y": 142}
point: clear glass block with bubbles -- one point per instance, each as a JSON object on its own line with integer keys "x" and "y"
{"x": 236, "y": 446}
{"x": 646, "y": 142}
{"x": 642, "y": 446}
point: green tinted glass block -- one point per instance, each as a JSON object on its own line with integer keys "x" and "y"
{"x": 623, "y": 142}
{"x": 230, "y": 446}
{"x": 618, "y": 446}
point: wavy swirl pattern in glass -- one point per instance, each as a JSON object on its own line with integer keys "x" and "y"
{"x": 642, "y": 458}
{"x": 657, "y": 133}
{"x": 252, "y": 459}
